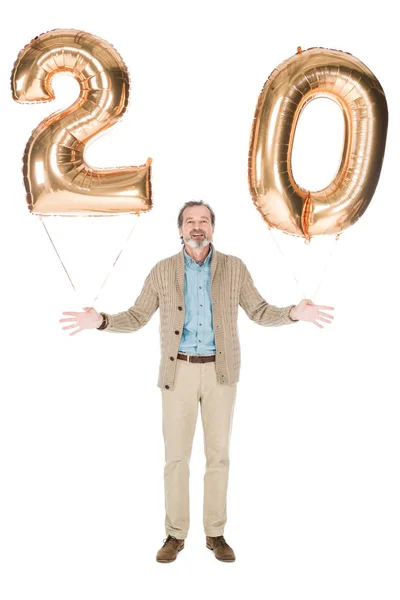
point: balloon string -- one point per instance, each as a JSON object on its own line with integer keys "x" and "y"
{"x": 326, "y": 266}
{"x": 293, "y": 273}
{"x": 288, "y": 265}
{"x": 108, "y": 274}
{"x": 115, "y": 262}
{"x": 40, "y": 216}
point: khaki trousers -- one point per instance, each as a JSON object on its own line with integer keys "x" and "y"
{"x": 196, "y": 383}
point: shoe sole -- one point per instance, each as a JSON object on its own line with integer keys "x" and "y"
{"x": 172, "y": 559}
{"x": 221, "y": 559}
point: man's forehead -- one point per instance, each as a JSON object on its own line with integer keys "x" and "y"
{"x": 203, "y": 213}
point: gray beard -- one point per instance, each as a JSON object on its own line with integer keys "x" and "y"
{"x": 197, "y": 243}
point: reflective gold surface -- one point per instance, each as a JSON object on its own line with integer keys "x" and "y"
{"x": 308, "y": 75}
{"x": 58, "y": 181}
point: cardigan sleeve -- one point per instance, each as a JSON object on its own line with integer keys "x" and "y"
{"x": 137, "y": 315}
{"x": 258, "y": 309}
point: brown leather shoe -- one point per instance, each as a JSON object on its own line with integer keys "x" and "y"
{"x": 220, "y": 548}
{"x": 170, "y": 549}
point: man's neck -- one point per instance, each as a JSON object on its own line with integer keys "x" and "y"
{"x": 197, "y": 254}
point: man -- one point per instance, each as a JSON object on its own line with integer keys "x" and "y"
{"x": 198, "y": 292}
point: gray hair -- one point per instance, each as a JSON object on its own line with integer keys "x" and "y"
{"x": 195, "y": 203}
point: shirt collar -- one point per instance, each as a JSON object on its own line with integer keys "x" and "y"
{"x": 190, "y": 262}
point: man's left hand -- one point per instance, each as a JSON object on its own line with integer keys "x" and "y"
{"x": 306, "y": 310}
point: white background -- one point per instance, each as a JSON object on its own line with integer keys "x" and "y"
{"x": 314, "y": 495}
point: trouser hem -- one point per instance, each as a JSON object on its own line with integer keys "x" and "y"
{"x": 180, "y": 536}
{"x": 214, "y": 532}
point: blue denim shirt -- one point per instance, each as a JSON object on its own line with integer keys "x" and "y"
{"x": 198, "y": 331}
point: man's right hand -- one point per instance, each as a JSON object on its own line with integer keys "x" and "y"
{"x": 90, "y": 319}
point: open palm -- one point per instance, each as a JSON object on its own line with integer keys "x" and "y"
{"x": 90, "y": 319}
{"x": 306, "y": 310}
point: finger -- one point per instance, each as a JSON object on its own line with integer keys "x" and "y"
{"x": 70, "y": 313}
{"x": 324, "y": 314}
{"x": 77, "y": 331}
{"x": 65, "y": 320}
{"x": 324, "y": 320}
{"x": 70, "y": 326}
{"x": 318, "y": 325}
{"x": 324, "y": 307}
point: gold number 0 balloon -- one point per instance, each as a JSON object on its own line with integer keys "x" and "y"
{"x": 57, "y": 179}
{"x": 311, "y": 74}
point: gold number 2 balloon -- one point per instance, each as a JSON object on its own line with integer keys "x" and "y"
{"x": 308, "y": 75}
{"x": 57, "y": 179}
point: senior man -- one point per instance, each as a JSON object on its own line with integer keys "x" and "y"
{"x": 198, "y": 292}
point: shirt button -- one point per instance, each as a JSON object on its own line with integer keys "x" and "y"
{"x": 176, "y": 332}
{"x": 167, "y": 387}
{"x": 200, "y": 324}
{"x": 179, "y": 307}
{"x": 171, "y": 358}
{"x": 200, "y": 341}
{"x": 199, "y": 287}
{"x": 201, "y": 306}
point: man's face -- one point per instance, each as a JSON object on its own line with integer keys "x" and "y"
{"x": 196, "y": 230}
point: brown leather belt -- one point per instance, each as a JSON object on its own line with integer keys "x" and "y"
{"x": 197, "y": 359}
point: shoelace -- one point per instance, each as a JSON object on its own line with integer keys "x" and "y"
{"x": 219, "y": 540}
{"x": 169, "y": 538}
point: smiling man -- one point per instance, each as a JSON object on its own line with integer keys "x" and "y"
{"x": 198, "y": 291}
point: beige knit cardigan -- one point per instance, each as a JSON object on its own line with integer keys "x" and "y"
{"x": 231, "y": 286}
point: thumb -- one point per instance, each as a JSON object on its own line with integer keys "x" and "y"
{"x": 86, "y": 307}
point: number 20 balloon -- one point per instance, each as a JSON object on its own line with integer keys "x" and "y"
{"x": 312, "y": 74}
{"x": 57, "y": 179}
